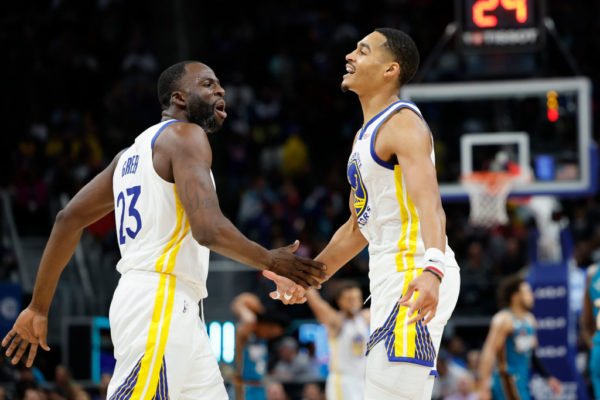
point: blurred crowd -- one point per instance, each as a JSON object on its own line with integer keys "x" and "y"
{"x": 82, "y": 78}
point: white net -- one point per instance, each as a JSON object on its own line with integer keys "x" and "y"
{"x": 488, "y": 192}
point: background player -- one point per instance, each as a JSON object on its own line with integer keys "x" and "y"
{"x": 348, "y": 331}
{"x": 590, "y": 324}
{"x": 168, "y": 217}
{"x": 396, "y": 209}
{"x": 509, "y": 349}
{"x": 254, "y": 329}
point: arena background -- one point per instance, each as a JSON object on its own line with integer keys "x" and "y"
{"x": 79, "y": 83}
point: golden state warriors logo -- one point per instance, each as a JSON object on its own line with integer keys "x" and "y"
{"x": 360, "y": 193}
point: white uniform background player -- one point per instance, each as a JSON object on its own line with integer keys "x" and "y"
{"x": 346, "y": 379}
{"x": 348, "y": 332}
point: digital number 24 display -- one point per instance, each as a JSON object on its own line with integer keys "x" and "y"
{"x": 483, "y": 19}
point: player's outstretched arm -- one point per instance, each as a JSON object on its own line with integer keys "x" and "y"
{"x": 245, "y": 306}
{"x": 408, "y": 138}
{"x": 91, "y": 203}
{"x": 324, "y": 312}
{"x": 189, "y": 151}
{"x": 499, "y": 330}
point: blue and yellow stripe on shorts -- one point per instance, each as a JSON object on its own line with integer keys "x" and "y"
{"x": 404, "y": 342}
{"x": 150, "y": 375}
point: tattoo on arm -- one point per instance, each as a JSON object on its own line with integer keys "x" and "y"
{"x": 196, "y": 196}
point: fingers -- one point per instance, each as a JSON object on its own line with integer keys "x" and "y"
{"x": 271, "y": 275}
{"x": 20, "y": 351}
{"x": 13, "y": 345}
{"x": 315, "y": 268}
{"x": 32, "y": 354}
{"x": 42, "y": 341}
{"x": 275, "y": 295}
{"x": 305, "y": 280}
{"x": 404, "y": 301}
{"x": 8, "y": 337}
{"x": 292, "y": 248}
{"x": 40, "y": 331}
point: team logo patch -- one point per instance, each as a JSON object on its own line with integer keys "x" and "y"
{"x": 360, "y": 193}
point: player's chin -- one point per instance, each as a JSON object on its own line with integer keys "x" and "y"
{"x": 346, "y": 85}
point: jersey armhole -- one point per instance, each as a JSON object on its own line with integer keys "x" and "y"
{"x": 400, "y": 107}
{"x": 158, "y": 132}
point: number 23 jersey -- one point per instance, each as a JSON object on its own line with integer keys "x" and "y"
{"x": 153, "y": 230}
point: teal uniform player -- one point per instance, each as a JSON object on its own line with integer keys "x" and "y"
{"x": 514, "y": 360}
{"x": 508, "y": 354}
{"x": 254, "y": 368}
{"x": 590, "y": 325}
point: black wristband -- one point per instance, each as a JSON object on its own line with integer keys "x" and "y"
{"x": 434, "y": 274}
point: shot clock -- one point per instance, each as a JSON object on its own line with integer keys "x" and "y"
{"x": 500, "y": 25}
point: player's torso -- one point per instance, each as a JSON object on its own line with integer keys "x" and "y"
{"x": 153, "y": 231}
{"x": 520, "y": 345}
{"x": 347, "y": 349}
{"x": 255, "y": 360}
{"x": 386, "y": 214}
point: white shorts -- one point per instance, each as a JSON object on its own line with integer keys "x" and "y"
{"x": 160, "y": 343}
{"x": 344, "y": 387}
{"x": 392, "y": 375}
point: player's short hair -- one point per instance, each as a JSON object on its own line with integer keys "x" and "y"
{"x": 168, "y": 82}
{"x": 342, "y": 287}
{"x": 509, "y": 286}
{"x": 274, "y": 318}
{"x": 404, "y": 50}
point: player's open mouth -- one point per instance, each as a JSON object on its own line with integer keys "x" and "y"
{"x": 220, "y": 109}
{"x": 349, "y": 70}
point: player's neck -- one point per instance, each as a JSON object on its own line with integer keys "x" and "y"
{"x": 518, "y": 311}
{"x": 173, "y": 114}
{"x": 373, "y": 104}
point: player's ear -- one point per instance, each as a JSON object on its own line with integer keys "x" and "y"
{"x": 392, "y": 70}
{"x": 179, "y": 99}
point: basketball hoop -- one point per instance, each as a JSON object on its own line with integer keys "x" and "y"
{"x": 488, "y": 191}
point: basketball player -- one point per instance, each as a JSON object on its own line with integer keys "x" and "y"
{"x": 590, "y": 325}
{"x": 255, "y": 327}
{"x": 348, "y": 331}
{"x": 396, "y": 209}
{"x": 511, "y": 342}
{"x": 168, "y": 219}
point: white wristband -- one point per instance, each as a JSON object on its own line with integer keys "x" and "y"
{"x": 435, "y": 259}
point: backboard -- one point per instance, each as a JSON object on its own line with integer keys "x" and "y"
{"x": 542, "y": 126}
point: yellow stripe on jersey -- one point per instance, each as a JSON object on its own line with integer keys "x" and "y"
{"x": 179, "y": 214}
{"x": 406, "y": 335}
{"x": 158, "y": 333}
{"x": 334, "y": 367}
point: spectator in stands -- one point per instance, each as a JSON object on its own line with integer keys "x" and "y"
{"x": 312, "y": 391}
{"x": 465, "y": 389}
{"x": 276, "y": 391}
{"x": 293, "y": 365}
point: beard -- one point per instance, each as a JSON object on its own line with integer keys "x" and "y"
{"x": 203, "y": 114}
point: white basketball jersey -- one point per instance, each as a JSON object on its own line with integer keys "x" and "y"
{"x": 348, "y": 348}
{"x": 152, "y": 229}
{"x": 386, "y": 214}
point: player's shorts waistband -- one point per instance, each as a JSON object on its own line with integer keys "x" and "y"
{"x": 149, "y": 278}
